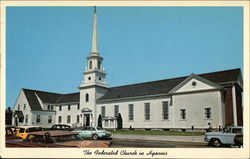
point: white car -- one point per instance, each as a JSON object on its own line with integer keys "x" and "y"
{"x": 218, "y": 139}
{"x": 93, "y": 132}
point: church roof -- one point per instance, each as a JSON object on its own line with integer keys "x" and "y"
{"x": 164, "y": 86}
{"x": 134, "y": 90}
{"x": 46, "y": 97}
{"x": 67, "y": 98}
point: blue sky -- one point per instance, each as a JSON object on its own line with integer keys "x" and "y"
{"x": 47, "y": 46}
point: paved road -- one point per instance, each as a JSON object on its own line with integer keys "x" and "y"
{"x": 157, "y": 141}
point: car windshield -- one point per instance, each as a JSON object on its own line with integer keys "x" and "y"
{"x": 228, "y": 130}
{"x": 34, "y": 129}
{"x": 99, "y": 128}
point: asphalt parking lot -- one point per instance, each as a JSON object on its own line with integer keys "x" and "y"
{"x": 157, "y": 141}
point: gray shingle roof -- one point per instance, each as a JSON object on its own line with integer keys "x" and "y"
{"x": 46, "y": 97}
{"x": 164, "y": 86}
{"x": 134, "y": 90}
{"x": 67, "y": 98}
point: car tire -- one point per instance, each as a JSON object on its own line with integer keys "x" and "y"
{"x": 216, "y": 143}
{"x": 95, "y": 136}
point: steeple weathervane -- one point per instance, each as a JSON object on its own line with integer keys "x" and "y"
{"x": 95, "y": 49}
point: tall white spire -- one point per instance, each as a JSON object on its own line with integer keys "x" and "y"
{"x": 95, "y": 49}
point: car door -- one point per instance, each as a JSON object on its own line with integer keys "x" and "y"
{"x": 230, "y": 136}
{"x": 21, "y": 133}
{"x": 89, "y": 131}
{"x": 85, "y": 133}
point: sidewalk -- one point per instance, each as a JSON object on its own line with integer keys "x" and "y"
{"x": 199, "y": 139}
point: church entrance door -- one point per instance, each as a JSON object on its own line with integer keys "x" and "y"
{"x": 87, "y": 120}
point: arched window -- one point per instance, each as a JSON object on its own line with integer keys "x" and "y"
{"x": 87, "y": 97}
{"x": 90, "y": 64}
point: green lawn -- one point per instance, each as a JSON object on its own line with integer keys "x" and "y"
{"x": 157, "y": 132}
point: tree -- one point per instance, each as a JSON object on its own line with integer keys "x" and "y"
{"x": 100, "y": 121}
{"x": 119, "y": 121}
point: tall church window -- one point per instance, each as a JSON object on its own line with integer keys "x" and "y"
{"x": 78, "y": 106}
{"x": 69, "y": 107}
{"x": 165, "y": 111}
{"x": 68, "y": 119}
{"x": 18, "y": 107}
{"x": 130, "y": 112}
{"x": 59, "y": 119}
{"x": 24, "y": 106}
{"x": 116, "y": 110}
{"x": 103, "y": 111}
{"x": 38, "y": 119}
{"x": 26, "y": 119}
{"x": 208, "y": 113}
{"x": 78, "y": 118}
{"x": 87, "y": 97}
{"x": 49, "y": 119}
{"x": 147, "y": 111}
{"x": 60, "y": 108}
{"x": 183, "y": 114}
{"x": 90, "y": 64}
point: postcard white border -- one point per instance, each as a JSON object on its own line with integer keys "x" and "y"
{"x": 172, "y": 152}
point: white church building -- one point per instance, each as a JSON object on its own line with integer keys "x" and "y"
{"x": 176, "y": 103}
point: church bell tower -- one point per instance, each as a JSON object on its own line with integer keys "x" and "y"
{"x": 94, "y": 84}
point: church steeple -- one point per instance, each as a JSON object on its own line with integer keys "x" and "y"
{"x": 94, "y": 73}
{"x": 95, "y": 49}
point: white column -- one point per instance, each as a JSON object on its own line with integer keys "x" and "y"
{"x": 234, "y": 105}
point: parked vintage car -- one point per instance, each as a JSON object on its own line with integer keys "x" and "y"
{"x": 23, "y": 131}
{"x": 61, "y": 127}
{"x": 56, "y": 139}
{"x": 9, "y": 134}
{"x": 218, "y": 139}
{"x": 93, "y": 132}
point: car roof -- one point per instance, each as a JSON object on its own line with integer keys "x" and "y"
{"x": 236, "y": 127}
{"x": 54, "y": 133}
{"x": 60, "y": 125}
{"x": 26, "y": 127}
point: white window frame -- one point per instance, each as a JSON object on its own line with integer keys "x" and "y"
{"x": 103, "y": 111}
{"x": 49, "y": 119}
{"x": 59, "y": 119}
{"x": 131, "y": 112}
{"x": 116, "y": 110}
{"x": 147, "y": 111}
{"x": 68, "y": 119}
{"x": 206, "y": 113}
{"x": 165, "y": 114}
{"x": 181, "y": 114}
{"x": 38, "y": 118}
{"x": 26, "y": 119}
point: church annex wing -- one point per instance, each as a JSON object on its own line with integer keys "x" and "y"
{"x": 221, "y": 78}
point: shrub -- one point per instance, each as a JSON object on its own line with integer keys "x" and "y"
{"x": 119, "y": 121}
{"x": 100, "y": 121}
